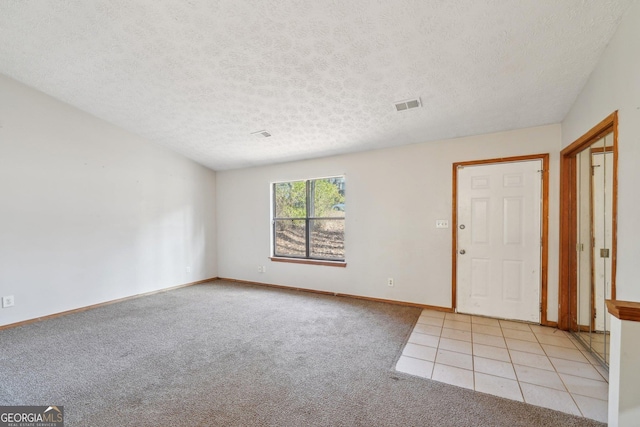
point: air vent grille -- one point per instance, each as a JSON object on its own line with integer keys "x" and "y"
{"x": 261, "y": 133}
{"x": 407, "y": 105}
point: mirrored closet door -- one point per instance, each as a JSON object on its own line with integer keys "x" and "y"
{"x": 594, "y": 211}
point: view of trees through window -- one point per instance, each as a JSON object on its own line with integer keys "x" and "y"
{"x": 308, "y": 219}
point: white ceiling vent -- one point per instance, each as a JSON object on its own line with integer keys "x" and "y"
{"x": 408, "y": 104}
{"x": 261, "y": 133}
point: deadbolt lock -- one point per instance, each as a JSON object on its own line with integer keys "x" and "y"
{"x": 461, "y": 226}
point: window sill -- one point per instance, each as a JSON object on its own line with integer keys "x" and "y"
{"x": 309, "y": 261}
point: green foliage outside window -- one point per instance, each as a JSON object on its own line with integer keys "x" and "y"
{"x": 309, "y": 219}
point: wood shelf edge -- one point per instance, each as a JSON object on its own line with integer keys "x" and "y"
{"x": 624, "y": 310}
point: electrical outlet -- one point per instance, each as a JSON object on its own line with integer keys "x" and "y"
{"x": 8, "y": 301}
{"x": 390, "y": 282}
{"x": 262, "y": 269}
{"x": 188, "y": 269}
{"x": 442, "y": 223}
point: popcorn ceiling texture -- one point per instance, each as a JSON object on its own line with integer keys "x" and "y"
{"x": 200, "y": 76}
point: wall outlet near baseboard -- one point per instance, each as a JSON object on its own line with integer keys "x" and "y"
{"x": 8, "y": 301}
{"x": 262, "y": 269}
{"x": 188, "y": 269}
{"x": 390, "y": 282}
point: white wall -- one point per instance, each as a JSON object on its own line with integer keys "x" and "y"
{"x": 90, "y": 213}
{"x": 393, "y": 198}
{"x": 615, "y": 85}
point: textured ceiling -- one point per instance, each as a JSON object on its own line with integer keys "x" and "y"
{"x": 321, "y": 76}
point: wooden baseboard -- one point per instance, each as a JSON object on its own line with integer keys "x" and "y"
{"x": 338, "y": 294}
{"x": 102, "y": 304}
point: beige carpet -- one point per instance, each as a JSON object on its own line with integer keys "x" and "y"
{"x": 225, "y": 354}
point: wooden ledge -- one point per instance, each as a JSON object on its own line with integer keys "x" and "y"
{"x": 309, "y": 261}
{"x": 624, "y": 310}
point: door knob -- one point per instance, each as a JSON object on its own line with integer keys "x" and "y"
{"x": 462, "y": 252}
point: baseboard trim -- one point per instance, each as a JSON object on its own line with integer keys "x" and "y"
{"x": 338, "y": 294}
{"x": 102, "y": 304}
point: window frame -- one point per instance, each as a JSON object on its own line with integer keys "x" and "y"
{"x": 307, "y": 219}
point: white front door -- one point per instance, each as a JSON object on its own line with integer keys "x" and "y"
{"x": 499, "y": 240}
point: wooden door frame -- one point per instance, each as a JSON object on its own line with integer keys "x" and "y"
{"x": 568, "y": 280}
{"x": 544, "y": 255}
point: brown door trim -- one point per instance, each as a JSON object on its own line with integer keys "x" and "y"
{"x": 567, "y": 284}
{"x": 545, "y": 225}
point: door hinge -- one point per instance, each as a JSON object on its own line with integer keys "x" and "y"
{"x": 540, "y": 307}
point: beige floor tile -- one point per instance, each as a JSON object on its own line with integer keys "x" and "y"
{"x": 498, "y": 386}
{"x": 525, "y": 346}
{"x": 458, "y": 317}
{"x": 586, "y": 387}
{"x": 603, "y": 372}
{"x": 452, "y": 358}
{"x": 564, "y": 353}
{"x": 484, "y": 321}
{"x": 519, "y": 335}
{"x": 577, "y": 343}
{"x": 455, "y": 345}
{"x": 549, "y": 398}
{"x": 430, "y": 321}
{"x": 424, "y": 339}
{"x": 592, "y": 408}
{"x": 420, "y": 352}
{"x": 541, "y": 377}
{"x": 456, "y": 334}
{"x": 492, "y": 340}
{"x": 487, "y": 330}
{"x": 590, "y": 357}
{"x": 452, "y": 375}
{"x": 540, "y": 365}
{"x": 418, "y": 367}
{"x": 507, "y": 324}
{"x": 460, "y": 326}
{"x": 557, "y": 341}
{"x": 494, "y": 367}
{"x": 427, "y": 329}
{"x": 489, "y": 352}
{"x": 596, "y": 337}
{"x": 584, "y": 370}
{"x": 432, "y": 313}
{"x": 546, "y": 330}
{"x": 530, "y": 359}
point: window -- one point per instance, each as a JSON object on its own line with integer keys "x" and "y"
{"x": 308, "y": 219}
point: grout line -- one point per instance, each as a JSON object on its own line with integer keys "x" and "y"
{"x": 513, "y": 364}
{"x": 435, "y": 356}
{"x": 571, "y": 395}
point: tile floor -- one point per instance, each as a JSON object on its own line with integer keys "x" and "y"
{"x": 534, "y": 364}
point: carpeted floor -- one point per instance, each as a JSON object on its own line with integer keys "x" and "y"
{"x": 227, "y": 354}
